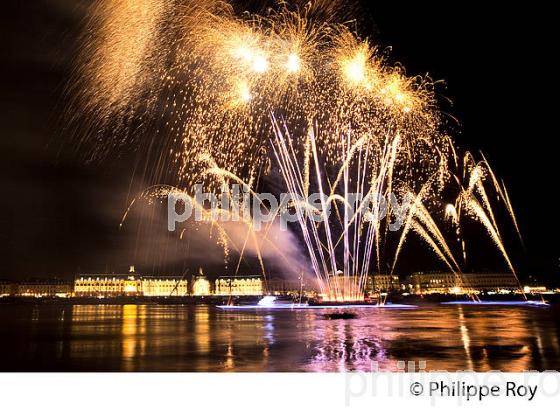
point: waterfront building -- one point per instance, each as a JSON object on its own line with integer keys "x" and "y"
{"x": 6, "y": 289}
{"x": 164, "y": 286}
{"x": 129, "y": 285}
{"x": 42, "y": 288}
{"x": 239, "y": 286}
{"x": 446, "y": 282}
{"x": 382, "y": 283}
{"x": 535, "y": 289}
{"x": 107, "y": 285}
{"x": 201, "y": 286}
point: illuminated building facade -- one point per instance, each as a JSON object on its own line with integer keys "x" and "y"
{"x": 6, "y": 289}
{"x": 535, "y": 289}
{"x": 201, "y": 286}
{"x": 164, "y": 286}
{"x": 438, "y": 282}
{"x": 129, "y": 285}
{"x": 43, "y": 288}
{"x": 107, "y": 285}
{"x": 239, "y": 286}
{"x": 383, "y": 283}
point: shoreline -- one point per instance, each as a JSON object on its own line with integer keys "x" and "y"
{"x": 213, "y": 300}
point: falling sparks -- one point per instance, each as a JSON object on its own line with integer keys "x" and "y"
{"x": 184, "y": 70}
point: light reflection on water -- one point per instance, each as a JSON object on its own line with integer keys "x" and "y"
{"x": 203, "y": 338}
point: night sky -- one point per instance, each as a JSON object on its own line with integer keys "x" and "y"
{"x": 60, "y": 216}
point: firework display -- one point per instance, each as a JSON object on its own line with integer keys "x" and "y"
{"x": 208, "y": 94}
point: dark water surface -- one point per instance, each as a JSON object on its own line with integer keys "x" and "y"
{"x": 205, "y": 338}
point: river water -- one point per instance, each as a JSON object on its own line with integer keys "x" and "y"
{"x": 51, "y": 337}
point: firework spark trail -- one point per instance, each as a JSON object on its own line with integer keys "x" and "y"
{"x": 476, "y": 177}
{"x": 504, "y": 196}
{"x": 423, "y": 215}
{"x": 288, "y": 172}
{"x": 294, "y": 180}
{"x": 475, "y": 174}
{"x": 474, "y": 209}
{"x": 428, "y": 238}
{"x": 407, "y": 225}
{"x": 326, "y": 225}
{"x": 511, "y": 212}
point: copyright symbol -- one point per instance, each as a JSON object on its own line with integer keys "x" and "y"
{"x": 416, "y": 389}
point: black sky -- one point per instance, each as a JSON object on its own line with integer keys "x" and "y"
{"x": 59, "y": 216}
